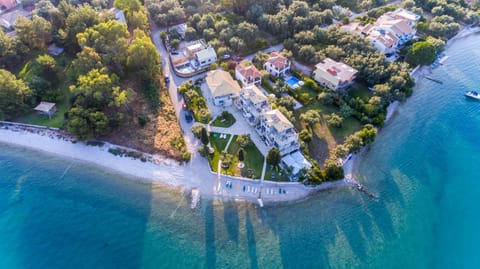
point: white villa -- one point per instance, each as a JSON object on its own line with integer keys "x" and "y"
{"x": 277, "y": 131}
{"x": 277, "y": 65}
{"x": 202, "y": 54}
{"x": 223, "y": 88}
{"x": 253, "y": 104}
{"x": 333, "y": 75}
{"x": 390, "y": 31}
{"x": 248, "y": 75}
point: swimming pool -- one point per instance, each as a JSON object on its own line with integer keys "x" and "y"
{"x": 294, "y": 82}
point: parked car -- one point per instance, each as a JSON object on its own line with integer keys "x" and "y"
{"x": 167, "y": 79}
{"x": 226, "y": 56}
{"x": 188, "y": 117}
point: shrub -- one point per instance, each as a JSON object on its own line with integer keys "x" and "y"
{"x": 142, "y": 120}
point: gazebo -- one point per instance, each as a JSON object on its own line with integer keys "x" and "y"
{"x": 46, "y": 108}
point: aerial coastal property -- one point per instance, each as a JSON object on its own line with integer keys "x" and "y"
{"x": 258, "y": 93}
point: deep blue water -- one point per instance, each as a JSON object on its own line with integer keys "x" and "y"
{"x": 57, "y": 213}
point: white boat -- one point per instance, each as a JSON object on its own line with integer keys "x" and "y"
{"x": 473, "y": 94}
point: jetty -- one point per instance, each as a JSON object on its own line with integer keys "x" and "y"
{"x": 352, "y": 182}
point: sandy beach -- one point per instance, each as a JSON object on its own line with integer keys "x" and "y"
{"x": 195, "y": 174}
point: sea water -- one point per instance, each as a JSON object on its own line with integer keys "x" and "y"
{"x": 59, "y": 213}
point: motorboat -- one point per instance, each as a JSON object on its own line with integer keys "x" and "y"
{"x": 473, "y": 94}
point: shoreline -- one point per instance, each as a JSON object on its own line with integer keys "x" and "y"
{"x": 169, "y": 173}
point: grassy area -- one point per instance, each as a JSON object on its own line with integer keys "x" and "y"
{"x": 218, "y": 145}
{"x": 253, "y": 160}
{"x": 225, "y": 120}
{"x": 361, "y": 91}
{"x": 275, "y": 174}
{"x": 350, "y": 125}
{"x": 31, "y": 69}
{"x": 56, "y": 121}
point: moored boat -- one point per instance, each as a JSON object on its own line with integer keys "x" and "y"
{"x": 473, "y": 94}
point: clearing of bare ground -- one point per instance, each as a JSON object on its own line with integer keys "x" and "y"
{"x": 160, "y": 134}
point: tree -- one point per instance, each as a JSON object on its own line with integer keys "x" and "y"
{"x": 243, "y": 140}
{"x": 128, "y": 5}
{"x": 305, "y": 136}
{"x": 274, "y": 157}
{"x": 241, "y": 155}
{"x": 77, "y": 123}
{"x": 86, "y": 60}
{"x": 311, "y": 117}
{"x": 204, "y": 137}
{"x": 14, "y": 95}
{"x": 35, "y": 33}
{"x": 109, "y": 40}
{"x": 97, "y": 89}
{"x": 143, "y": 57}
{"x": 421, "y": 53}
{"x": 138, "y": 19}
{"x": 335, "y": 120}
{"x": 77, "y": 22}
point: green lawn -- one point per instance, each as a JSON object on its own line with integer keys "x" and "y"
{"x": 350, "y": 125}
{"x": 253, "y": 160}
{"x": 219, "y": 145}
{"x": 225, "y": 120}
{"x": 358, "y": 90}
{"x": 31, "y": 69}
{"x": 275, "y": 174}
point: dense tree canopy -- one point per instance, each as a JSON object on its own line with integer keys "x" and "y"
{"x": 421, "y": 53}
{"x": 14, "y": 95}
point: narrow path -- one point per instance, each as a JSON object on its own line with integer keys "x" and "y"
{"x": 229, "y": 141}
{"x": 264, "y": 169}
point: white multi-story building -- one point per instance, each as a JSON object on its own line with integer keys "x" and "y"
{"x": 277, "y": 131}
{"x": 253, "y": 104}
{"x": 333, "y": 75}
{"x": 390, "y": 31}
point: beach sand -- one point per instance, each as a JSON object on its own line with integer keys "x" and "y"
{"x": 195, "y": 174}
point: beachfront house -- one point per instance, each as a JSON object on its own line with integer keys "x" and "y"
{"x": 253, "y": 103}
{"x": 248, "y": 74}
{"x": 390, "y": 31}
{"x": 46, "y": 108}
{"x": 277, "y": 65}
{"x": 277, "y": 131}
{"x": 222, "y": 87}
{"x": 333, "y": 75}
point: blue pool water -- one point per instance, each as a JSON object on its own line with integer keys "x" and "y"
{"x": 293, "y": 82}
{"x": 58, "y": 213}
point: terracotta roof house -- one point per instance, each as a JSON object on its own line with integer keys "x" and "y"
{"x": 223, "y": 88}
{"x": 277, "y": 64}
{"x": 248, "y": 75}
{"x": 334, "y": 75}
{"x": 7, "y": 4}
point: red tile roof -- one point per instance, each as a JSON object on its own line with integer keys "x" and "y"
{"x": 277, "y": 60}
{"x": 7, "y": 4}
{"x": 248, "y": 71}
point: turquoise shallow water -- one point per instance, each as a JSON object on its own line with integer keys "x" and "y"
{"x": 57, "y": 213}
